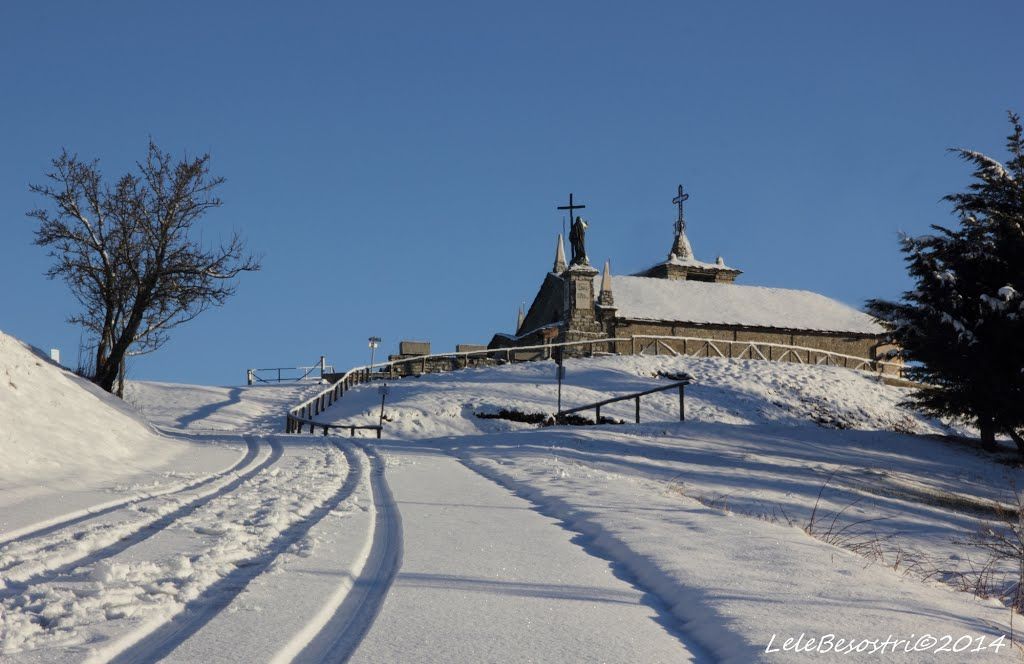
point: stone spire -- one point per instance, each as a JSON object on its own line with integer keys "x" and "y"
{"x": 559, "y": 257}
{"x": 681, "y": 246}
{"x": 605, "y": 299}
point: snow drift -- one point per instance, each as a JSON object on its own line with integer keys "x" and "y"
{"x": 58, "y": 428}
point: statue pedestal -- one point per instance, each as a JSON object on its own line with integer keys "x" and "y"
{"x": 580, "y": 320}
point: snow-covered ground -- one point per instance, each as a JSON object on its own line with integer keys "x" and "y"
{"x": 203, "y": 535}
{"x": 708, "y": 515}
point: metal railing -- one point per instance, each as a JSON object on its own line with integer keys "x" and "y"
{"x": 299, "y": 423}
{"x": 317, "y": 371}
{"x": 681, "y": 384}
{"x": 639, "y": 344}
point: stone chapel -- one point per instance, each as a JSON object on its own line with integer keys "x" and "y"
{"x": 684, "y": 297}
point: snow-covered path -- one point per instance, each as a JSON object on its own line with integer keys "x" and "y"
{"x": 485, "y": 578}
{"x": 132, "y": 584}
{"x": 460, "y": 539}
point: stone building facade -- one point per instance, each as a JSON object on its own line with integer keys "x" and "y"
{"x": 684, "y": 297}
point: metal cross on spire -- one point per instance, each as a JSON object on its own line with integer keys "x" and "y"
{"x": 570, "y": 207}
{"x": 679, "y": 200}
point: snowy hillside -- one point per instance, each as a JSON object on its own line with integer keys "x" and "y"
{"x": 791, "y": 501}
{"x": 710, "y": 514}
{"x": 60, "y": 428}
{"x": 731, "y": 392}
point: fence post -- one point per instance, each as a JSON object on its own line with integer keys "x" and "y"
{"x": 682, "y": 404}
{"x": 638, "y": 410}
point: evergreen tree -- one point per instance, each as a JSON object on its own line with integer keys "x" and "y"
{"x": 961, "y": 330}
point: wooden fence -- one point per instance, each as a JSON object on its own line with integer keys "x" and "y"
{"x": 304, "y": 412}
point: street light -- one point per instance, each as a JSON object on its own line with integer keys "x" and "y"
{"x": 374, "y": 342}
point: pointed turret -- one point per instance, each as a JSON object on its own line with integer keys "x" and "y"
{"x": 681, "y": 264}
{"x": 681, "y": 248}
{"x": 605, "y": 299}
{"x": 559, "y": 257}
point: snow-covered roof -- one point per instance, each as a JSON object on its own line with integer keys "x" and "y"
{"x": 693, "y": 262}
{"x": 645, "y": 298}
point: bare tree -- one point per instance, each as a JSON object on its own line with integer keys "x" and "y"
{"x": 129, "y": 254}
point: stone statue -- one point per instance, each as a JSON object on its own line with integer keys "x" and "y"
{"x": 577, "y": 236}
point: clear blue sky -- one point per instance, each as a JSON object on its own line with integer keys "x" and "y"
{"x": 399, "y": 164}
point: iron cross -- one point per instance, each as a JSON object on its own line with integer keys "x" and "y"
{"x": 570, "y": 207}
{"x": 679, "y": 200}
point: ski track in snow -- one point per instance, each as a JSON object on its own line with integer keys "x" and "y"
{"x": 342, "y": 633}
{"x": 54, "y": 524}
{"x": 599, "y": 547}
{"x": 251, "y": 520}
{"x": 57, "y": 553}
{"x": 162, "y": 640}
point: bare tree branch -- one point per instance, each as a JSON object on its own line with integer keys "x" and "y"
{"x": 128, "y": 252}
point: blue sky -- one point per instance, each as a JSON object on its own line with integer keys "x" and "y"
{"x": 399, "y": 164}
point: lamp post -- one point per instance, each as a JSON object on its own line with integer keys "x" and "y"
{"x": 374, "y": 342}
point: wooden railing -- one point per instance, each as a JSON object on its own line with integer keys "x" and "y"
{"x": 305, "y": 411}
{"x": 772, "y": 352}
{"x": 641, "y": 344}
{"x": 681, "y": 384}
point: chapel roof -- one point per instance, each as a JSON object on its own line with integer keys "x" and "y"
{"x": 645, "y": 298}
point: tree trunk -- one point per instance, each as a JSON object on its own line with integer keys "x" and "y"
{"x": 119, "y": 346}
{"x": 106, "y": 375}
{"x": 1018, "y": 439}
{"x": 120, "y": 380}
{"x": 988, "y": 433}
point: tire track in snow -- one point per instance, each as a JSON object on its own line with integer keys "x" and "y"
{"x": 339, "y": 638}
{"x": 43, "y": 528}
{"x": 142, "y": 533}
{"x": 597, "y": 542}
{"x": 162, "y": 639}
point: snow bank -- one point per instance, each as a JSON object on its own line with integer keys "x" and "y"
{"x": 58, "y": 428}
